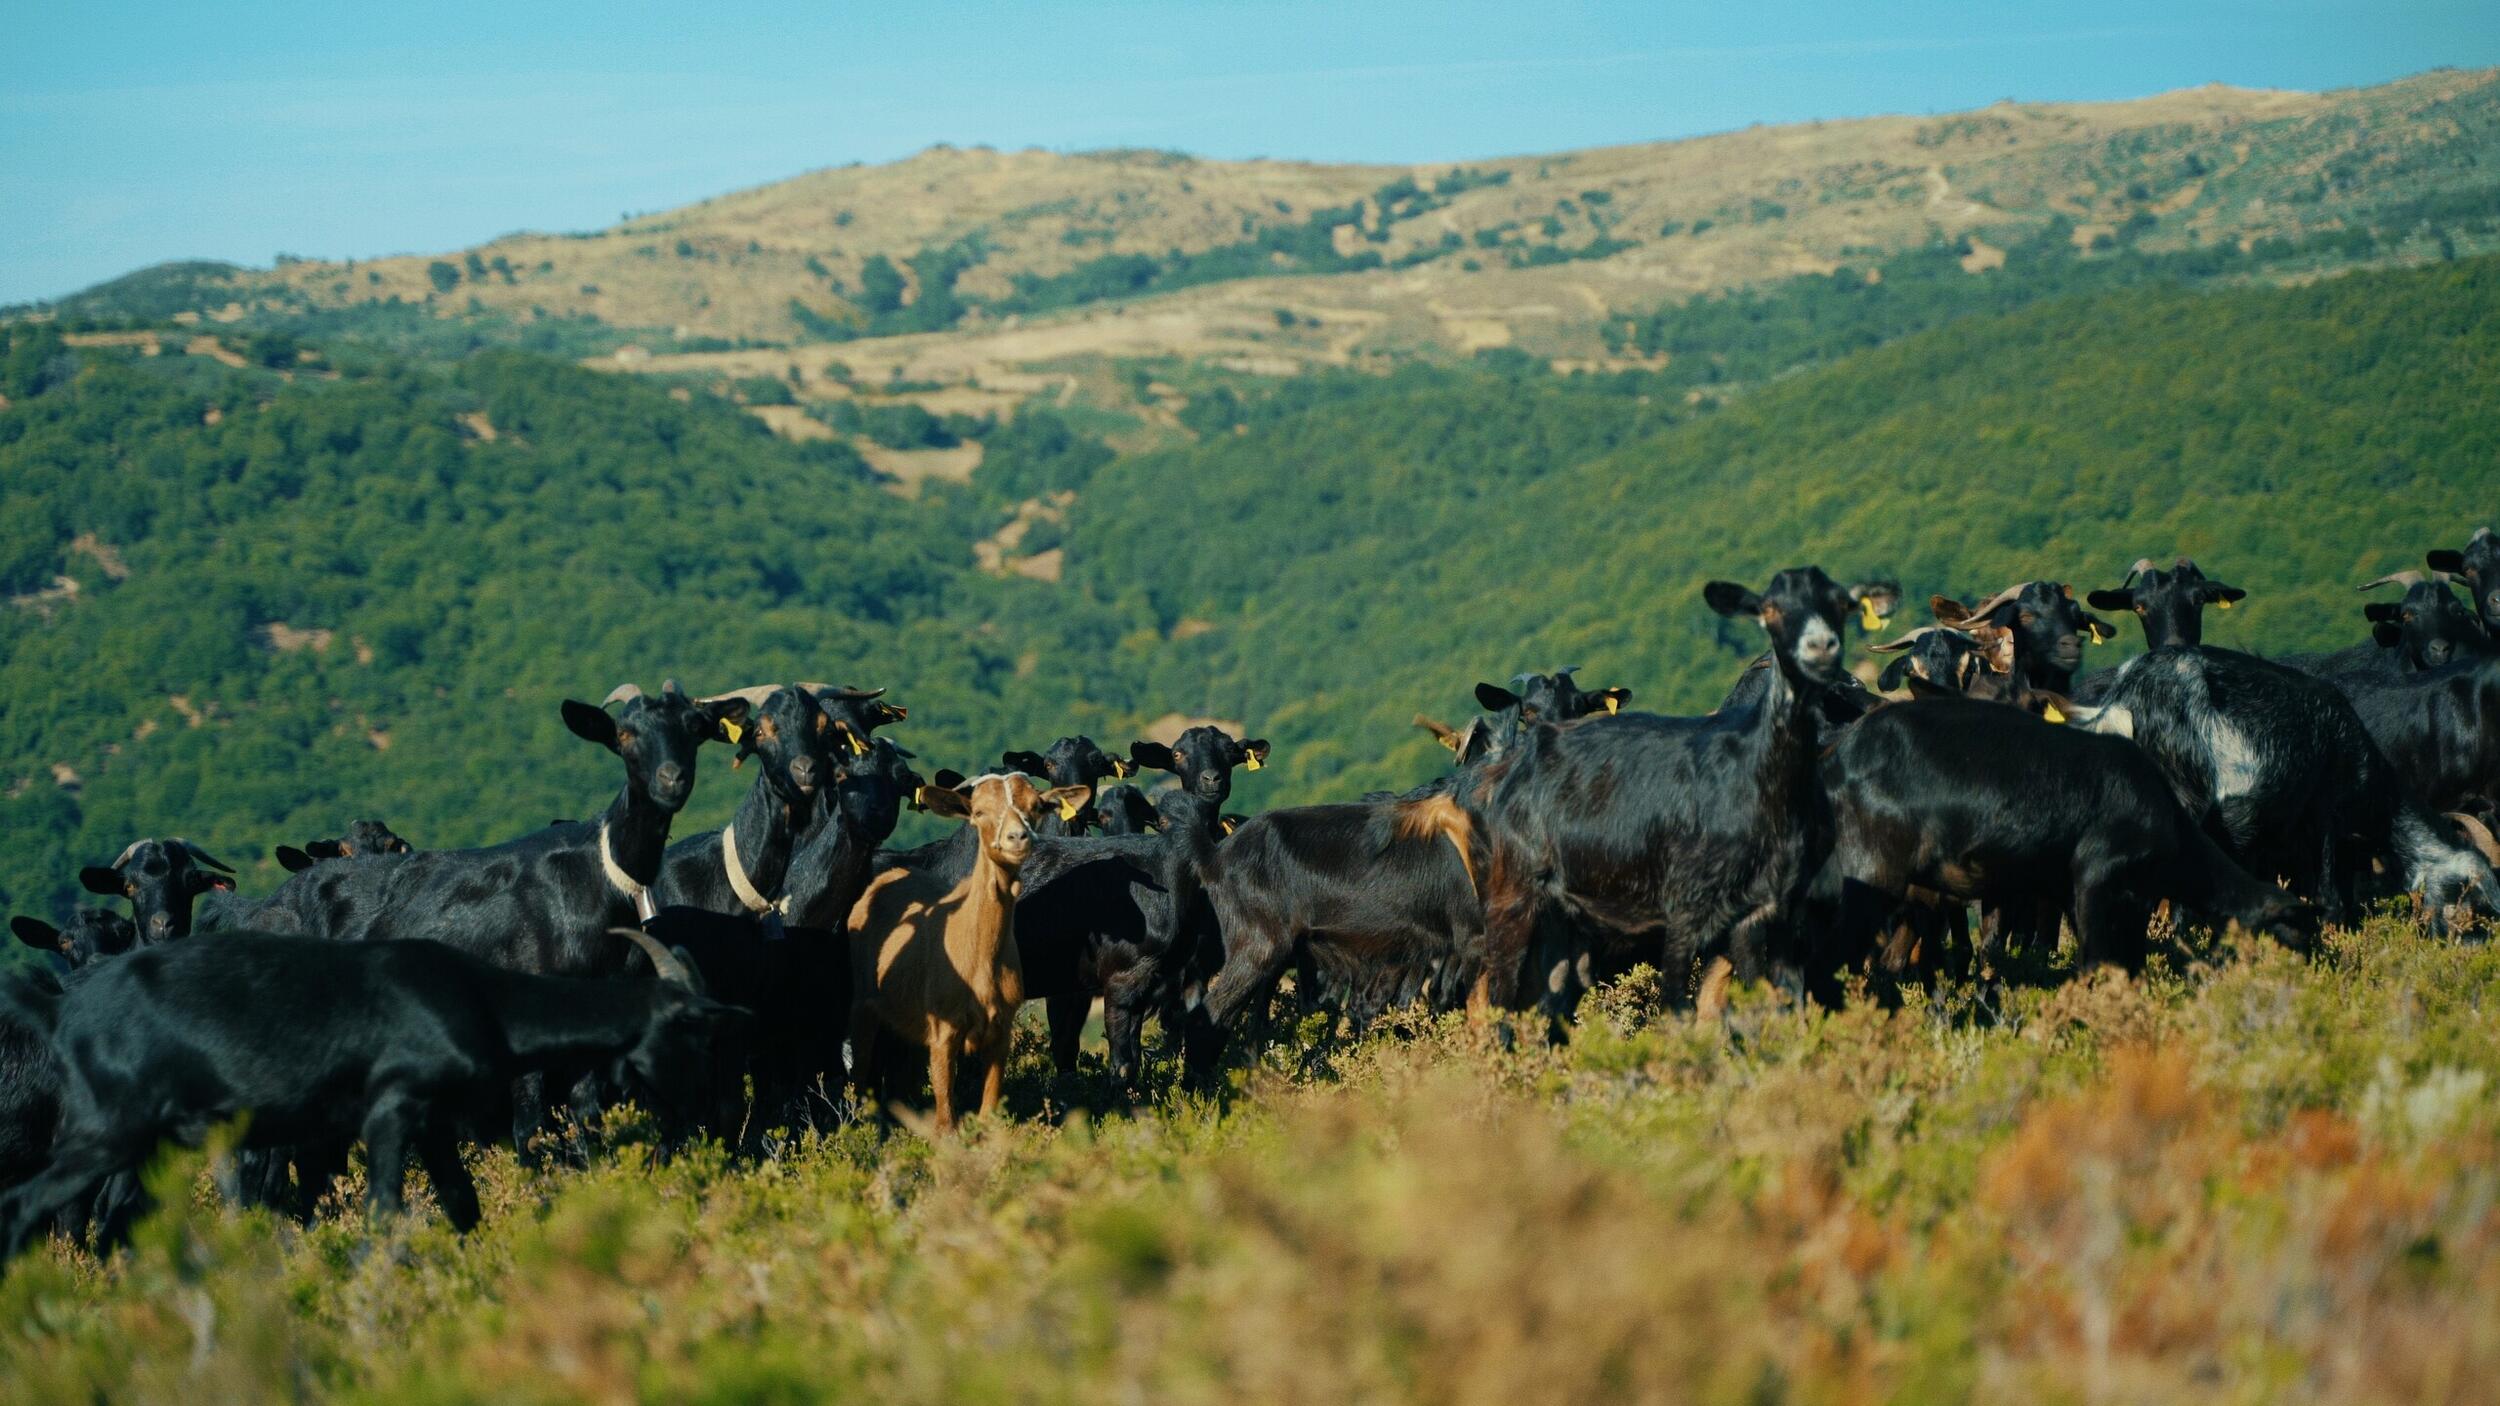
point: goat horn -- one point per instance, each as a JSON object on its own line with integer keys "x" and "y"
{"x": 2481, "y": 534}
{"x": 1566, "y": 671}
{"x": 622, "y": 693}
{"x": 2142, "y": 565}
{"x": 203, "y": 856}
{"x": 1436, "y": 727}
{"x": 2003, "y": 598}
{"x": 843, "y": 690}
{"x": 2479, "y": 834}
{"x": 671, "y": 686}
{"x": 124, "y": 857}
{"x": 663, "y": 961}
{"x": 1913, "y": 637}
{"x": 754, "y": 694}
{"x": 2401, "y": 578}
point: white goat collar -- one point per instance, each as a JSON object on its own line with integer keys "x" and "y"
{"x": 644, "y": 908}
{"x": 739, "y": 883}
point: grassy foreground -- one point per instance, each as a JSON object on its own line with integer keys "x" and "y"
{"x": 2259, "y": 1179}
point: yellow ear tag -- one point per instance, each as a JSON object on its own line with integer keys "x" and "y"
{"x": 2222, "y": 605}
{"x": 2049, "y": 713}
{"x": 1229, "y": 824}
{"x": 1867, "y": 616}
{"x": 732, "y": 731}
{"x": 1254, "y": 761}
{"x": 1614, "y": 705}
{"x": 858, "y": 747}
{"x": 1068, "y": 807}
{"x": 1122, "y": 768}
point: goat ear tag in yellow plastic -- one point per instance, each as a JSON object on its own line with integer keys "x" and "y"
{"x": 2050, "y": 714}
{"x": 859, "y": 746}
{"x": 1614, "y": 705}
{"x": 1254, "y": 761}
{"x": 731, "y": 731}
{"x": 1122, "y": 767}
{"x": 1867, "y": 616}
{"x": 1068, "y": 807}
{"x": 2222, "y": 605}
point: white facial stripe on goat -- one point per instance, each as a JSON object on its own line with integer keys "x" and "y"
{"x": 644, "y": 908}
{"x": 739, "y": 883}
{"x": 1818, "y": 632}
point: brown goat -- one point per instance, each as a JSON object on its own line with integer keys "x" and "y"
{"x": 933, "y": 959}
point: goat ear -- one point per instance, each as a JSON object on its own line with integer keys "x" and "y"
{"x": 1613, "y": 699}
{"x": 2445, "y": 560}
{"x": 2388, "y": 634}
{"x": 1069, "y": 801}
{"x": 2382, "y": 612}
{"x": 203, "y": 882}
{"x": 1890, "y": 678}
{"x": 2217, "y": 594}
{"x": 1154, "y": 755}
{"x": 2099, "y": 630}
{"x": 1254, "y": 753}
{"x": 1473, "y": 742}
{"x": 726, "y": 714}
{"x": 293, "y": 860}
{"x": 323, "y": 849}
{"x": 590, "y": 724}
{"x": 1728, "y": 598}
{"x": 38, "y": 934}
{"x": 947, "y": 779}
{"x": 945, "y": 802}
{"x": 1030, "y": 763}
{"x": 1493, "y": 698}
{"x": 95, "y": 878}
{"x": 2111, "y": 600}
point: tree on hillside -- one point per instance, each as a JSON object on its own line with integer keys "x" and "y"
{"x": 445, "y": 276}
{"x": 880, "y": 285}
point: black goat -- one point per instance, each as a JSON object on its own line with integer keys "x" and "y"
{"x": 2478, "y": 568}
{"x": 391, "y": 1043}
{"x": 92, "y": 933}
{"x": 1974, "y": 801}
{"x": 2440, "y": 728}
{"x": 2280, "y": 764}
{"x": 740, "y": 867}
{"x": 30, "y": 1078}
{"x": 162, "y": 879}
{"x": 1121, "y": 810}
{"x": 1117, "y": 916}
{"x": 2425, "y": 629}
{"x": 1846, "y": 699}
{"x": 794, "y": 972}
{"x": 2170, "y": 604}
{"x": 1696, "y": 835}
{"x": 363, "y": 838}
{"x": 1070, "y": 762}
{"x": 2049, "y": 630}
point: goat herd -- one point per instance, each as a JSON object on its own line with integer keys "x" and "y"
{"x": 1807, "y": 831}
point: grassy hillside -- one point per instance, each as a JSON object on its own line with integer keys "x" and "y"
{"x": 2267, "y": 1180}
{"x": 980, "y": 264}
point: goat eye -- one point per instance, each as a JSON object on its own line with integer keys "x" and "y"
{"x": 624, "y": 738}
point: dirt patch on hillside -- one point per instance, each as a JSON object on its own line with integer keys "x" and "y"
{"x": 1982, "y": 257}
{"x": 909, "y": 468}
{"x": 286, "y": 639}
{"x": 216, "y": 351}
{"x": 791, "y": 422}
{"x": 108, "y": 558}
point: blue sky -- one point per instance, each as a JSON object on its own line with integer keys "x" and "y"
{"x": 132, "y": 132}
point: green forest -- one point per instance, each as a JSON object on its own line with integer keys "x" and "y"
{"x": 313, "y": 589}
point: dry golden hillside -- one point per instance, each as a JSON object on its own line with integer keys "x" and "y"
{"x": 1269, "y": 265}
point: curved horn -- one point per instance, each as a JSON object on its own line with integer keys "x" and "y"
{"x": 843, "y": 690}
{"x": 622, "y": 693}
{"x": 2479, "y": 835}
{"x": 1895, "y": 646}
{"x": 203, "y": 856}
{"x": 754, "y": 694}
{"x": 124, "y": 857}
{"x": 1566, "y": 671}
{"x": 2142, "y": 565}
{"x": 663, "y": 961}
{"x": 2400, "y": 578}
{"x": 1992, "y": 604}
{"x": 2481, "y": 534}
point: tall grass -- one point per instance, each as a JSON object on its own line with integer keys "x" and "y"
{"x": 2256, "y": 1179}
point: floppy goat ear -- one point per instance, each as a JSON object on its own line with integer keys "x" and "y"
{"x": 2445, "y": 560}
{"x": 95, "y": 878}
{"x": 1154, "y": 755}
{"x": 1890, "y": 678}
{"x": 1069, "y": 801}
{"x": 38, "y": 934}
{"x": 1613, "y": 699}
{"x": 2388, "y": 634}
{"x": 2215, "y": 593}
{"x": 1493, "y": 698}
{"x": 293, "y": 860}
{"x": 2111, "y": 600}
{"x": 1030, "y": 763}
{"x": 945, "y": 802}
{"x": 1254, "y": 753}
{"x": 1728, "y": 598}
{"x": 590, "y": 724}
